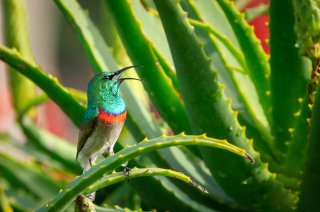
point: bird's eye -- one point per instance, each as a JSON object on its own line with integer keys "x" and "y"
{"x": 109, "y": 77}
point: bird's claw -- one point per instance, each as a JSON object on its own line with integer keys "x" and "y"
{"x": 127, "y": 171}
{"x": 91, "y": 196}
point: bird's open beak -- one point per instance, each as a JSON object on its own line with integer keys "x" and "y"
{"x": 121, "y": 71}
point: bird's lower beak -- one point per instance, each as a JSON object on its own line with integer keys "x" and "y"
{"x": 121, "y": 71}
{"x": 120, "y": 80}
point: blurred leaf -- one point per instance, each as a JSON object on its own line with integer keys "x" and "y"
{"x": 21, "y": 200}
{"x": 54, "y": 147}
{"x": 16, "y": 36}
{"x": 4, "y": 202}
{"x": 27, "y": 176}
{"x": 47, "y": 83}
{"x": 87, "y": 32}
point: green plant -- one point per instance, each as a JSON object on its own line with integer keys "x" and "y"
{"x": 211, "y": 80}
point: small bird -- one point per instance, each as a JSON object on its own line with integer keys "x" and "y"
{"x": 104, "y": 118}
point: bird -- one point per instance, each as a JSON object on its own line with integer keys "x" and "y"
{"x": 103, "y": 119}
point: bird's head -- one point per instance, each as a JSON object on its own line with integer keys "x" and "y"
{"x": 104, "y": 88}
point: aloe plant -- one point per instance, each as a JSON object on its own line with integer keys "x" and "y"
{"x": 212, "y": 87}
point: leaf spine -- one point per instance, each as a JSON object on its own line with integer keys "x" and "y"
{"x": 145, "y": 139}
{"x": 182, "y": 134}
{"x": 204, "y": 135}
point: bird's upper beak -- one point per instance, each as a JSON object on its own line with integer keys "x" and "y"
{"x": 121, "y": 71}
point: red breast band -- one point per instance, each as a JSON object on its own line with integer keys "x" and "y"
{"x": 109, "y": 118}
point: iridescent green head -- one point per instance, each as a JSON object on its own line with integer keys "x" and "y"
{"x": 104, "y": 93}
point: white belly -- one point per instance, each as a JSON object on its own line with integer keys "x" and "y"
{"x": 102, "y": 139}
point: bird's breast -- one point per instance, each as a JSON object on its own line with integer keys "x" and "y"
{"x": 109, "y": 118}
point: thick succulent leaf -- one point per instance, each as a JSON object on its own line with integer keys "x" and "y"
{"x": 296, "y": 154}
{"x": 27, "y": 176}
{"x": 64, "y": 198}
{"x": 241, "y": 86}
{"x": 141, "y": 121}
{"x": 86, "y": 30}
{"x": 16, "y": 36}
{"x": 289, "y": 72}
{"x": 135, "y": 172}
{"x": 49, "y": 84}
{"x": 210, "y": 112}
{"x": 255, "y": 12}
{"x": 21, "y": 200}
{"x": 159, "y": 86}
{"x": 54, "y": 147}
{"x": 311, "y": 179}
{"x": 152, "y": 28}
{"x": 4, "y": 201}
{"x": 257, "y": 61}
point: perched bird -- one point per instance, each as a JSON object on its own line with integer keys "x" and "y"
{"x": 104, "y": 118}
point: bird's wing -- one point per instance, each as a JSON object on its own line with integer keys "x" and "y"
{"x": 86, "y": 129}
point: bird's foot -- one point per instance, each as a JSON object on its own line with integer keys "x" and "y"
{"x": 91, "y": 196}
{"x": 126, "y": 171}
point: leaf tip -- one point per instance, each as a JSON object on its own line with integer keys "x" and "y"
{"x": 246, "y": 155}
{"x": 202, "y": 189}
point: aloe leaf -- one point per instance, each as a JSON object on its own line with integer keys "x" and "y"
{"x": 174, "y": 199}
{"x": 250, "y": 113}
{"x": 160, "y": 193}
{"x": 87, "y": 32}
{"x": 257, "y": 61}
{"x": 21, "y": 201}
{"x": 27, "y": 176}
{"x": 166, "y": 67}
{"x": 47, "y": 83}
{"x": 151, "y": 27}
{"x": 296, "y": 154}
{"x": 210, "y": 112}
{"x": 255, "y": 12}
{"x": 16, "y": 36}
{"x": 224, "y": 40}
{"x": 290, "y": 72}
{"x": 311, "y": 178}
{"x": 114, "y": 161}
{"x": 54, "y": 147}
{"x": 31, "y": 103}
{"x": 160, "y": 89}
{"x": 4, "y": 201}
{"x": 135, "y": 172}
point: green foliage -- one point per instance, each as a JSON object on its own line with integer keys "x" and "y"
{"x": 206, "y": 74}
